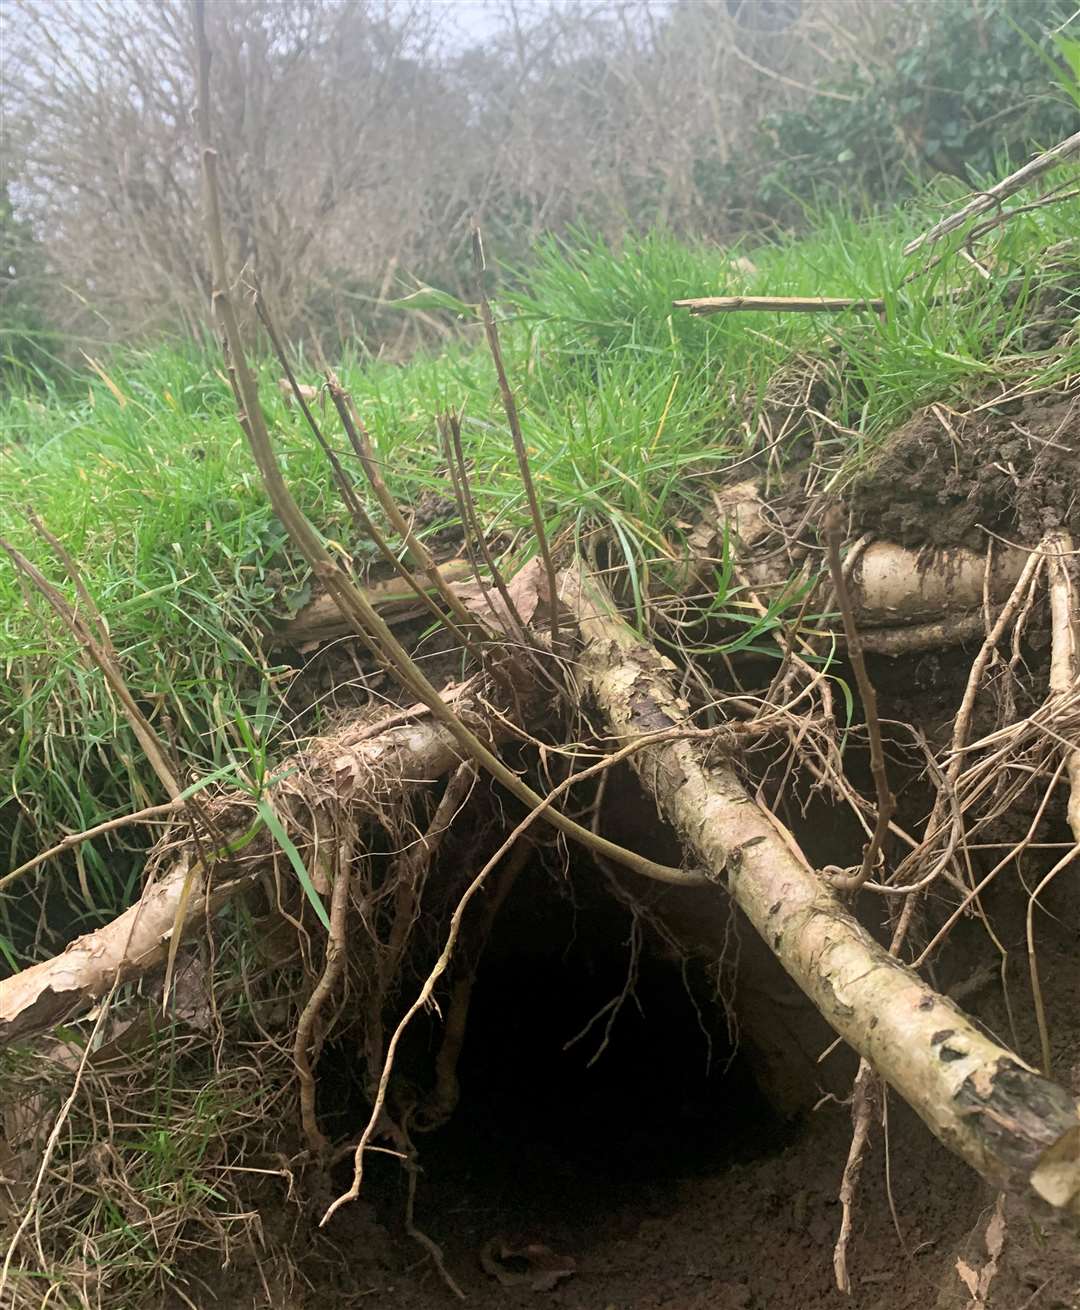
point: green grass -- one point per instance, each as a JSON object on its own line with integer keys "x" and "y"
{"x": 626, "y": 406}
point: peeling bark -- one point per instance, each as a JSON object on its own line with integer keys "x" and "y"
{"x": 357, "y": 764}
{"x": 1016, "y": 1128}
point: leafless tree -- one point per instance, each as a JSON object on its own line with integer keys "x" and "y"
{"x": 358, "y": 140}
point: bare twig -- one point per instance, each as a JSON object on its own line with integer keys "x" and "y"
{"x": 996, "y": 194}
{"x": 364, "y": 523}
{"x": 510, "y": 406}
{"x": 422, "y": 558}
{"x": 886, "y": 807}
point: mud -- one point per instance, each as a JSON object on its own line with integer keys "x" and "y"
{"x": 1011, "y": 467}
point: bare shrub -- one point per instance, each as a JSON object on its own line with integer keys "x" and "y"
{"x": 358, "y": 140}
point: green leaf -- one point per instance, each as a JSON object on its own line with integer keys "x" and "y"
{"x": 266, "y": 812}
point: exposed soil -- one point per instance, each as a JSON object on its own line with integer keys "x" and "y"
{"x": 1010, "y": 466}
{"x": 657, "y": 1174}
{"x": 655, "y": 1180}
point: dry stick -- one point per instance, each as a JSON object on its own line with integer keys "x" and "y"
{"x": 1011, "y": 1125}
{"x": 334, "y": 965}
{"x": 364, "y": 523}
{"x": 988, "y": 199}
{"x": 418, "y": 552}
{"x": 886, "y": 807}
{"x": 700, "y": 305}
{"x": 470, "y": 521}
{"x": 367, "y": 622}
{"x": 1065, "y": 654}
{"x": 509, "y": 405}
{"x": 450, "y": 430}
{"x": 441, "y": 963}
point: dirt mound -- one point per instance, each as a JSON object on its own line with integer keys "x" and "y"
{"x": 1011, "y": 466}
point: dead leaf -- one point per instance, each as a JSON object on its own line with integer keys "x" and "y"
{"x": 969, "y": 1278}
{"x": 995, "y": 1231}
{"x": 527, "y": 590}
{"x": 543, "y": 1268}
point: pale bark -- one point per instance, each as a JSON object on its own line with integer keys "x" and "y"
{"x": 983, "y": 1102}
{"x": 1065, "y": 653}
{"x": 357, "y": 765}
{"x": 891, "y": 586}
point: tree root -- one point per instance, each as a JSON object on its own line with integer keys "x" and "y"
{"x": 1014, "y": 1127}
{"x": 355, "y": 767}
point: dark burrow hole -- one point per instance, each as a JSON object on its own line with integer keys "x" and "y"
{"x": 548, "y": 1127}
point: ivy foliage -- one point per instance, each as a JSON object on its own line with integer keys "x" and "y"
{"x": 966, "y": 88}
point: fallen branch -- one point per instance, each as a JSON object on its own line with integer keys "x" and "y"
{"x": 996, "y": 194}
{"x": 1014, "y": 1127}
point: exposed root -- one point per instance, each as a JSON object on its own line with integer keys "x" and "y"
{"x": 441, "y": 1104}
{"x": 356, "y": 765}
{"x": 336, "y": 954}
{"x": 863, "y": 1096}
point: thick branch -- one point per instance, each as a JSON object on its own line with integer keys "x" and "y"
{"x": 983, "y": 1102}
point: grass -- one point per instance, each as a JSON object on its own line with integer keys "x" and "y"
{"x": 625, "y": 407}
